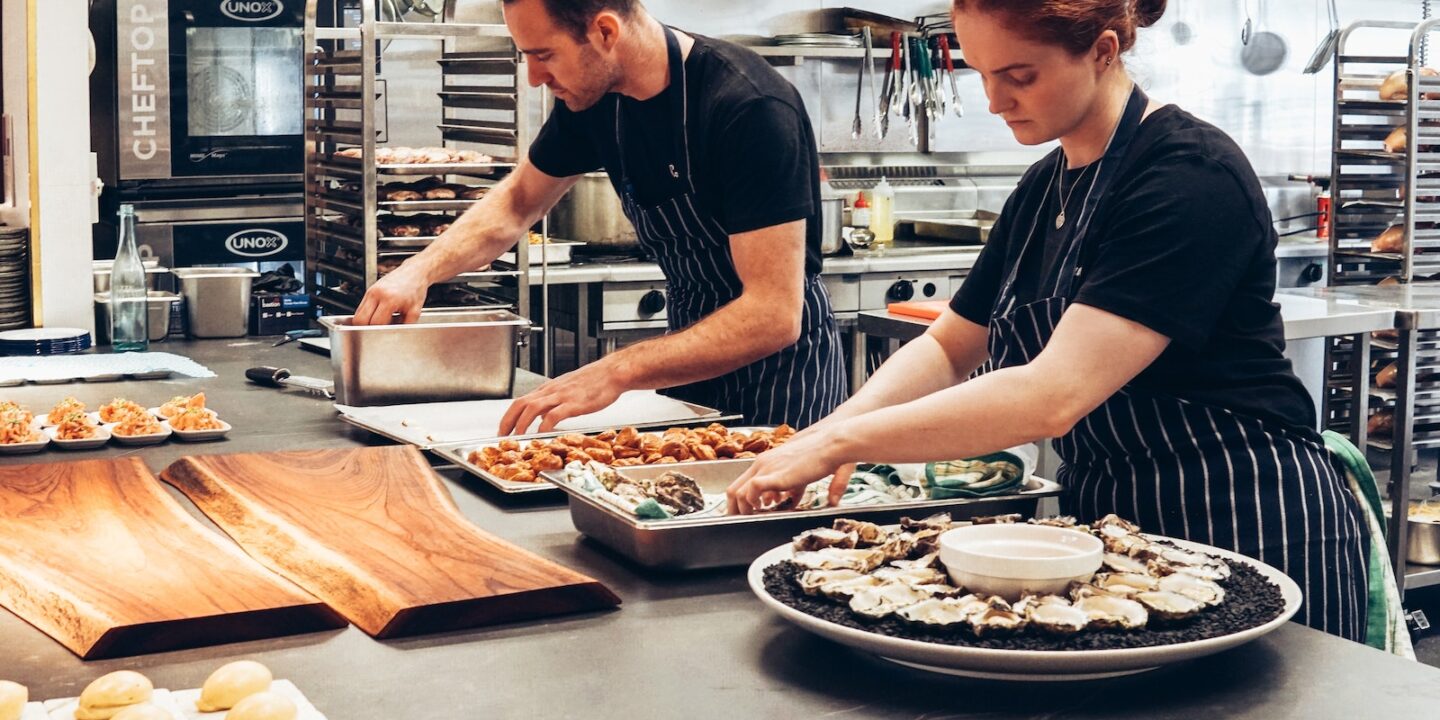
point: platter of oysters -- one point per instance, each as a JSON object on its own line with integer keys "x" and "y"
{"x": 1153, "y": 600}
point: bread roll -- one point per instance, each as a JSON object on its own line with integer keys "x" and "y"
{"x": 266, "y": 705}
{"x": 1396, "y": 87}
{"x": 232, "y": 683}
{"x": 13, "y": 697}
{"x": 1391, "y": 335}
{"x": 1381, "y": 423}
{"x": 474, "y": 193}
{"x": 1390, "y": 241}
{"x": 1397, "y": 140}
{"x": 1387, "y": 376}
{"x": 440, "y": 193}
{"x": 356, "y": 153}
{"x": 143, "y": 711}
{"x": 105, "y": 696}
{"x": 402, "y": 195}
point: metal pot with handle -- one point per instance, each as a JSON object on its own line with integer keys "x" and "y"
{"x": 591, "y": 213}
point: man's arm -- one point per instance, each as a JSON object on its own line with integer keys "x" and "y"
{"x": 762, "y": 321}
{"x": 490, "y": 227}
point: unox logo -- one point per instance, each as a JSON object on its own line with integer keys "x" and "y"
{"x": 256, "y": 242}
{"x": 252, "y": 10}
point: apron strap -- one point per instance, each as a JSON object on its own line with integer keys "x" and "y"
{"x": 679, "y": 106}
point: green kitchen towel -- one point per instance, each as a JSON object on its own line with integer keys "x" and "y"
{"x": 1386, "y": 618}
{"x": 989, "y": 475}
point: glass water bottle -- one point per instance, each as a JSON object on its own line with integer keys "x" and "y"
{"x": 129, "y": 302}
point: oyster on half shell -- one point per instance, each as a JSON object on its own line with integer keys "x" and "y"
{"x": 841, "y": 559}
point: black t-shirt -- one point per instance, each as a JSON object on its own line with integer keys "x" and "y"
{"x": 1182, "y": 243}
{"x": 752, "y": 149}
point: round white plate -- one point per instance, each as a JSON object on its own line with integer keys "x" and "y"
{"x": 42, "y": 334}
{"x": 102, "y": 436}
{"x": 198, "y": 435}
{"x": 1028, "y": 665}
{"x": 151, "y": 439}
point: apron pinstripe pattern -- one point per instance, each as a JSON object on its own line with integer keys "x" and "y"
{"x": 798, "y": 385}
{"x": 1196, "y": 472}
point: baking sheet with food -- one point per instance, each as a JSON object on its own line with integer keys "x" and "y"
{"x": 514, "y": 465}
{"x": 708, "y": 537}
{"x": 427, "y": 425}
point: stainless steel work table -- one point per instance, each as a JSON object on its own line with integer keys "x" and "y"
{"x": 696, "y": 645}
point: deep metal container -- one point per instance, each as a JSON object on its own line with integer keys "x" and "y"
{"x": 100, "y": 270}
{"x": 157, "y": 315}
{"x": 217, "y": 300}
{"x": 591, "y": 213}
{"x": 1423, "y": 542}
{"x": 725, "y": 541}
{"x": 447, "y": 355}
{"x": 832, "y": 219}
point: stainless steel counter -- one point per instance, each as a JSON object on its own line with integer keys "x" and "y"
{"x": 695, "y": 645}
{"x": 582, "y": 273}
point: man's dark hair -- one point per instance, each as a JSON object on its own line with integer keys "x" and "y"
{"x": 574, "y": 16}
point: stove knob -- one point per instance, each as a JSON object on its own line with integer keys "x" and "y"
{"x": 929, "y": 290}
{"x": 901, "y": 291}
{"x": 652, "y": 302}
{"x": 1312, "y": 273}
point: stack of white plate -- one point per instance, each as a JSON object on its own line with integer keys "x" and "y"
{"x": 14, "y": 278}
{"x": 44, "y": 341}
{"x": 818, "y": 40}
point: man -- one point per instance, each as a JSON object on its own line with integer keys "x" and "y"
{"x": 715, "y": 162}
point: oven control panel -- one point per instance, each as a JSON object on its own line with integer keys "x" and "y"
{"x": 879, "y": 290}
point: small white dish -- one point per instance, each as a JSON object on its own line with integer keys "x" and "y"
{"x": 199, "y": 435}
{"x": 102, "y": 436}
{"x": 151, "y": 439}
{"x": 29, "y": 447}
{"x": 156, "y": 412}
{"x": 1011, "y": 560}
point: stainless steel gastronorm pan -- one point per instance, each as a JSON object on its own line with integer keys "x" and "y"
{"x": 447, "y": 355}
{"x": 681, "y": 544}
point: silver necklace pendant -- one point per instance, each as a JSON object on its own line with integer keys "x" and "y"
{"x": 1060, "y": 220}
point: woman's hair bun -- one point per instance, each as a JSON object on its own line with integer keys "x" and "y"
{"x": 1148, "y": 12}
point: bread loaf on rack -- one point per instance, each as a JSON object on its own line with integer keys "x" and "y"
{"x": 1397, "y": 86}
{"x": 1390, "y": 241}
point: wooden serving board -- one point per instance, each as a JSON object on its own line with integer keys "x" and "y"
{"x": 374, "y": 534}
{"x": 100, "y": 557}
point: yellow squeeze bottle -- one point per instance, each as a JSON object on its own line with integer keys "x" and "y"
{"x": 882, "y": 214}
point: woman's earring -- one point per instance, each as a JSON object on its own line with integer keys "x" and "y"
{"x": 1108, "y": 61}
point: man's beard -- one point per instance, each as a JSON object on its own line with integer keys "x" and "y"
{"x": 599, "y": 79}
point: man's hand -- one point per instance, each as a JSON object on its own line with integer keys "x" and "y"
{"x": 400, "y": 293}
{"x": 589, "y": 389}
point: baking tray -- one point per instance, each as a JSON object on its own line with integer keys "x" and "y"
{"x": 972, "y": 229}
{"x": 428, "y": 425}
{"x": 681, "y": 544}
{"x": 557, "y": 252}
{"x": 459, "y": 454}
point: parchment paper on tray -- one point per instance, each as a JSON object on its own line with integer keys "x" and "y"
{"x": 429, "y": 424}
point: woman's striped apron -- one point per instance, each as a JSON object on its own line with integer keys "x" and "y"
{"x": 1191, "y": 471}
{"x": 798, "y": 385}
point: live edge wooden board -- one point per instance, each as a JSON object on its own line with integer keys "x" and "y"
{"x": 374, "y": 534}
{"x": 100, "y": 557}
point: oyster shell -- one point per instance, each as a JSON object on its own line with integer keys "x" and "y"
{"x": 845, "y": 589}
{"x": 1121, "y": 563}
{"x": 823, "y": 538}
{"x": 1113, "y": 524}
{"x": 936, "y": 611}
{"x": 1061, "y": 521}
{"x": 996, "y": 519}
{"x": 929, "y": 560}
{"x": 1214, "y": 572}
{"x": 841, "y": 559}
{"x": 678, "y": 492}
{"x": 1053, "y": 614}
{"x": 866, "y": 533}
{"x": 882, "y": 600}
{"x": 938, "y": 521}
{"x": 1182, "y": 558}
{"x": 1125, "y": 584}
{"x": 897, "y": 546}
{"x": 992, "y": 616}
{"x": 1131, "y": 545}
{"x": 1195, "y": 588}
{"x": 927, "y": 541}
{"x": 812, "y": 581}
{"x": 1168, "y": 605}
{"x": 911, "y": 576}
{"x": 1107, "y": 611}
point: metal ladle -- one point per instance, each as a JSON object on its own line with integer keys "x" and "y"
{"x": 1262, "y": 51}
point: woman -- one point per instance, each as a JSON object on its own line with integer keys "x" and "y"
{"x": 1123, "y": 306}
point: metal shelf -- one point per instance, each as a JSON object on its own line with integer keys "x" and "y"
{"x": 1418, "y": 576}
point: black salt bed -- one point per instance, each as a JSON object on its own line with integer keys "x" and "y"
{"x": 1250, "y": 601}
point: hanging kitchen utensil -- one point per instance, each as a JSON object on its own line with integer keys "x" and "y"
{"x": 887, "y": 90}
{"x": 1181, "y": 31}
{"x": 1263, "y": 52}
{"x": 1326, "y": 49}
{"x": 857, "y": 126}
{"x": 870, "y": 68}
{"x": 950, "y": 72}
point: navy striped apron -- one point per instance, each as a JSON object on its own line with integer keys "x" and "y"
{"x": 1188, "y": 470}
{"x": 798, "y": 385}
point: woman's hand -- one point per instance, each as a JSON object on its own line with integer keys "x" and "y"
{"x": 780, "y": 475}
